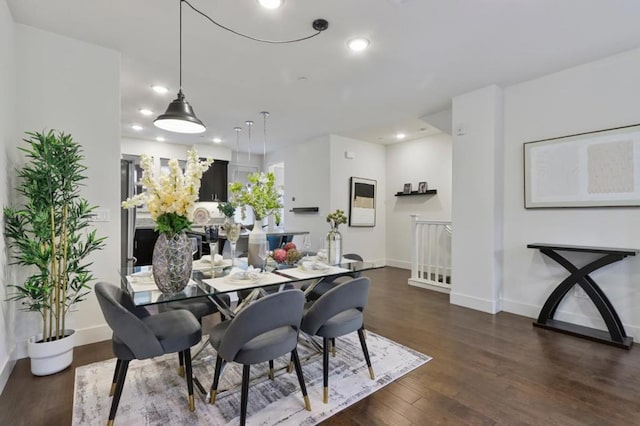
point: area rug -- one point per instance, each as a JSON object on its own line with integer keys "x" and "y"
{"x": 155, "y": 395}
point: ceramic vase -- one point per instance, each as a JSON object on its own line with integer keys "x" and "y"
{"x": 172, "y": 262}
{"x": 257, "y": 246}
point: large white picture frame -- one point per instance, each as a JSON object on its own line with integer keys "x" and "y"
{"x": 595, "y": 169}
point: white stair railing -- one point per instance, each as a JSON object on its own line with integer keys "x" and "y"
{"x": 431, "y": 254}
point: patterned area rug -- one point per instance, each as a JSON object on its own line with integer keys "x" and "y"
{"x": 155, "y": 395}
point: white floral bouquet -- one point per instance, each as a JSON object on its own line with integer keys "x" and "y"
{"x": 260, "y": 194}
{"x": 171, "y": 196}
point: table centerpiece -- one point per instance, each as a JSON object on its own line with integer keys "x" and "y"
{"x": 261, "y": 195}
{"x": 333, "y": 239}
{"x": 170, "y": 198}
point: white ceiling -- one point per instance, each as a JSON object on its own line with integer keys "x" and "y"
{"x": 422, "y": 53}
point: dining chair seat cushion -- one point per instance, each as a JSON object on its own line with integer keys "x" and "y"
{"x": 216, "y": 332}
{"x": 176, "y": 330}
{"x": 262, "y": 348}
{"x": 343, "y": 323}
{"x": 268, "y": 346}
{"x": 200, "y": 307}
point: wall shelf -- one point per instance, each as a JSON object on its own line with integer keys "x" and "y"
{"x": 429, "y": 192}
{"x": 304, "y": 210}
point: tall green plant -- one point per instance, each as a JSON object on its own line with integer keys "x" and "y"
{"x": 50, "y": 230}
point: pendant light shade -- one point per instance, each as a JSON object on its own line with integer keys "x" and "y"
{"x": 179, "y": 117}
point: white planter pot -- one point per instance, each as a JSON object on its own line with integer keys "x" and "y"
{"x": 50, "y": 357}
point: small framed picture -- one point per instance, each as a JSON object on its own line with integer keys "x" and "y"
{"x": 422, "y": 187}
{"x": 407, "y": 188}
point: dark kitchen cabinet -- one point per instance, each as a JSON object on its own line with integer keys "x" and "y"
{"x": 143, "y": 242}
{"x": 214, "y": 182}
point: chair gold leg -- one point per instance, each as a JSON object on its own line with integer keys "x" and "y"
{"x": 181, "y": 371}
{"x": 212, "y": 398}
{"x": 192, "y": 403}
{"x": 373, "y": 376}
{"x": 113, "y": 389}
{"x": 110, "y": 423}
{"x": 271, "y": 375}
{"x": 333, "y": 349}
{"x": 325, "y": 395}
{"x": 290, "y": 367}
{"x": 307, "y": 403}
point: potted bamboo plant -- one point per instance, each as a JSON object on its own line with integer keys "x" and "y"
{"x": 50, "y": 236}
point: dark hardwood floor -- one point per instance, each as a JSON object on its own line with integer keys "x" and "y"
{"x": 487, "y": 369}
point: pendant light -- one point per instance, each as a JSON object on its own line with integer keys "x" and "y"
{"x": 249, "y": 123}
{"x": 179, "y": 116}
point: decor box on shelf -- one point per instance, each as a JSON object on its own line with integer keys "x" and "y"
{"x": 51, "y": 233}
{"x": 260, "y": 194}
{"x": 171, "y": 199}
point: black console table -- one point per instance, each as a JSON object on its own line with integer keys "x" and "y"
{"x": 580, "y": 276}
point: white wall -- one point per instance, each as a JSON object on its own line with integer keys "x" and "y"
{"x": 170, "y": 150}
{"x": 427, "y": 159}
{"x": 598, "y": 95}
{"x": 369, "y": 163}
{"x": 476, "y": 258}
{"x": 73, "y": 86}
{"x": 7, "y": 142}
{"x": 306, "y": 184}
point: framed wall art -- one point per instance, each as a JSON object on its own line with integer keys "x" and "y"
{"x": 362, "y": 202}
{"x": 595, "y": 169}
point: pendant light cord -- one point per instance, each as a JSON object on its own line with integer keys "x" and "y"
{"x": 320, "y": 27}
{"x": 265, "y": 114}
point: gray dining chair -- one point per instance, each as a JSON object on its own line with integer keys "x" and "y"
{"x": 200, "y": 307}
{"x": 329, "y": 282}
{"x": 338, "y": 312}
{"x": 138, "y": 335}
{"x": 263, "y": 331}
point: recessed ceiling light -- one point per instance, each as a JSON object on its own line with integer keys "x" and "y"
{"x": 145, "y": 111}
{"x": 161, "y": 90}
{"x": 217, "y": 140}
{"x": 358, "y": 44}
{"x": 160, "y": 139}
{"x": 136, "y": 127}
{"x": 400, "y": 136}
{"x": 271, "y": 4}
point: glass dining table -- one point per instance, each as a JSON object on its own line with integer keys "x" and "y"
{"x": 212, "y": 281}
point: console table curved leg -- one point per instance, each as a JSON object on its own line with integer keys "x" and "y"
{"x": 580, "y": 276}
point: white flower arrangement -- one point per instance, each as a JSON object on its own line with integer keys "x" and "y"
{"x": 171, "y": 196}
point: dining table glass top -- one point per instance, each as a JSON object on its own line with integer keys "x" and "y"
{"x": 207, "y": 279}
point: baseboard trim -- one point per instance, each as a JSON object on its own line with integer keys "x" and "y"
{"x": 440, "y": 289}
{"x": 484, "y": 305}
{"x": 83, "y": 336}
{"x": 398, "y": 264}
{"x": 5, "y": 373}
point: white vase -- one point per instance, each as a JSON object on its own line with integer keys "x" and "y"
{"x": 50, "y": 357}
{"x": 333, "y": 243}
{"x": 257, "y": 246}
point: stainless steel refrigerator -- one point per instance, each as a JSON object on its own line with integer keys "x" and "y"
{"x": 127, "y": 216}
